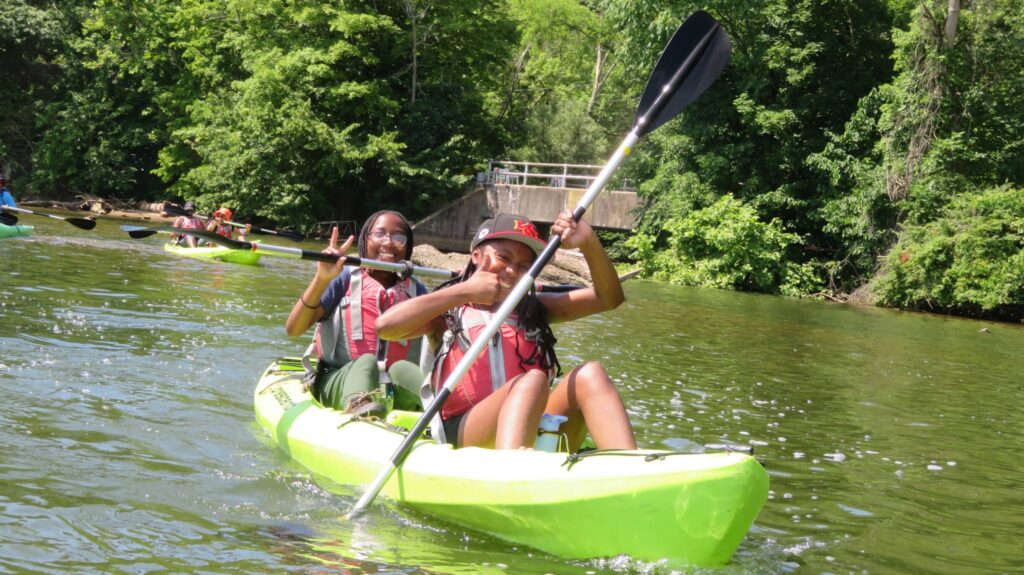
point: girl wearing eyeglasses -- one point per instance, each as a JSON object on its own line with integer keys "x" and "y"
{"x": 353, "y": 365}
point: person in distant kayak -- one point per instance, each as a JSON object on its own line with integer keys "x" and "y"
{"x": 190, "y": 222}
{"x": 500, "y": 400}
{"x": 6, "y": 199}
{"x": 219, "y": 222}
{"x": 345, "y": 303}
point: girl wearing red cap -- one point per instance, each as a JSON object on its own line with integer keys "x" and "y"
{"x": 218, "y": 223}
{"x": 500, "y": 400}
{"x": 345, "y": 303}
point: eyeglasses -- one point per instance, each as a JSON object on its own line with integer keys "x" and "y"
{"x": 397, "y": 239}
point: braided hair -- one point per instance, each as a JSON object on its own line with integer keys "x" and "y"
{"x": 533, "y": 318}
{"x": 364, "y": 234}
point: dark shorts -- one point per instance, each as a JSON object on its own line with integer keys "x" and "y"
{"x": 451, "y": 428}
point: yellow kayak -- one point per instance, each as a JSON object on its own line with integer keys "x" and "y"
{"x": 689, "y": 508}
{"x": 215, "y": 253}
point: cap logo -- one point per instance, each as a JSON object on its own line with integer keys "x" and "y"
{"x": 483, "y": 233}
{"x": 526, "y": 228}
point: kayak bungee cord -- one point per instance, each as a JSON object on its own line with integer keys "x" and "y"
{"x": 690, "y": 63}
{"x": 574, "y": 458}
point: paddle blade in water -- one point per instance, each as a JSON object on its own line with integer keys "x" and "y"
{"x": 690, "y": 63}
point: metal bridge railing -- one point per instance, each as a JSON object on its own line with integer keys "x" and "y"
{"x": 346, "y": 228}
{"x": 542, "y": 174}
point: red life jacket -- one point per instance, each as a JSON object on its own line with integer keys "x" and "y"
{"x": 190, "y": 223}
{"x": 502, "y": 362}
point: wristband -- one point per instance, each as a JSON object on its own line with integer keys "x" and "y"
{"x": 306, "y": 305}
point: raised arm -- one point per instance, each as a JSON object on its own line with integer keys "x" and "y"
{"x": 307, "y": 309}
{"x": 605, "y": 293}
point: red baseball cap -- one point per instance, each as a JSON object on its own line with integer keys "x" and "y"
{"x": 222, "y": 212}
{"x": 509, "y": 227}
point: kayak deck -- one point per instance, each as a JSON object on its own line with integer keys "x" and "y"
{"x": 651, "y": 505}
{"x": 215, "y": 253}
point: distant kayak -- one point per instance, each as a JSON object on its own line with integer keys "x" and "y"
{"x": 691, "y": 508}
{"x": 215, "y": 253}
{"x": 13, "y": 231}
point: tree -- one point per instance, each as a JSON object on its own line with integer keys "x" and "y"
{"x": 32, "y": 36}
{"x": 564, "y": 99}
{"x": 796, "y": 75}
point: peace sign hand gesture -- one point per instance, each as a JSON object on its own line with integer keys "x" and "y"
{"x": 328, "y": 271}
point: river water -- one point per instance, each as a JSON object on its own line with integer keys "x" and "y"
{"x": 129, "y": 443}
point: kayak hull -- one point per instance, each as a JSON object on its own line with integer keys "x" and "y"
{"x": 692, "y": 509}
{"x": 215, "y": 253}
{"x": 16, "y": 230}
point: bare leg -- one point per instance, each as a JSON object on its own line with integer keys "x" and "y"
{"x": 589, "y": 398}
{"x": 509, "y": 417}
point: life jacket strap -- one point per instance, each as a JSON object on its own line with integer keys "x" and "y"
{"x": 427, "y": 363}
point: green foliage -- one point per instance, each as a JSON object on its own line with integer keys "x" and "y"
{"x": 857, "y": 217}
{"x": 102, "y": 131}
{"x": 791, "y": 83}
{"x": 294, "y": 111}
{"x": 969, "y": 259}
{"x": 32, "y": 36}
{"x": 724, "y": 245}
{"x": 336, "y": 111}
{"x": 565, "y": 96}
{"x": 838, "y": 128}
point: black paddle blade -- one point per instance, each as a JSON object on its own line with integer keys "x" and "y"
{"x": 137, "y": 232}
{"x": 173, "y": 210}
{"x": 8, "y": 219}
{"x": 691, "y": 62}
{"x": 293, "y": 236}
{"x": 84, "y": 223}
{"x": 213, "y": 237}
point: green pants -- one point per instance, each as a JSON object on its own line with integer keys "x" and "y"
{"x": 336, "y": 386}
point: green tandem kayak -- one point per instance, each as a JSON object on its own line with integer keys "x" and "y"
{"x": 692, "y": 509}
{"x": 17, "y": 230}
{"x": 215, "y": 253}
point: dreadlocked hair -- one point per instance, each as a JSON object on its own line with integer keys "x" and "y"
{"x": 533, "y": 318}
{"x": 364, "y": 234}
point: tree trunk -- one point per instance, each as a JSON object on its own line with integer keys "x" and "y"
{"x": 601, "y": 72}
{"x": 596, "y": 87}
{"x": 952, "y": 18}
